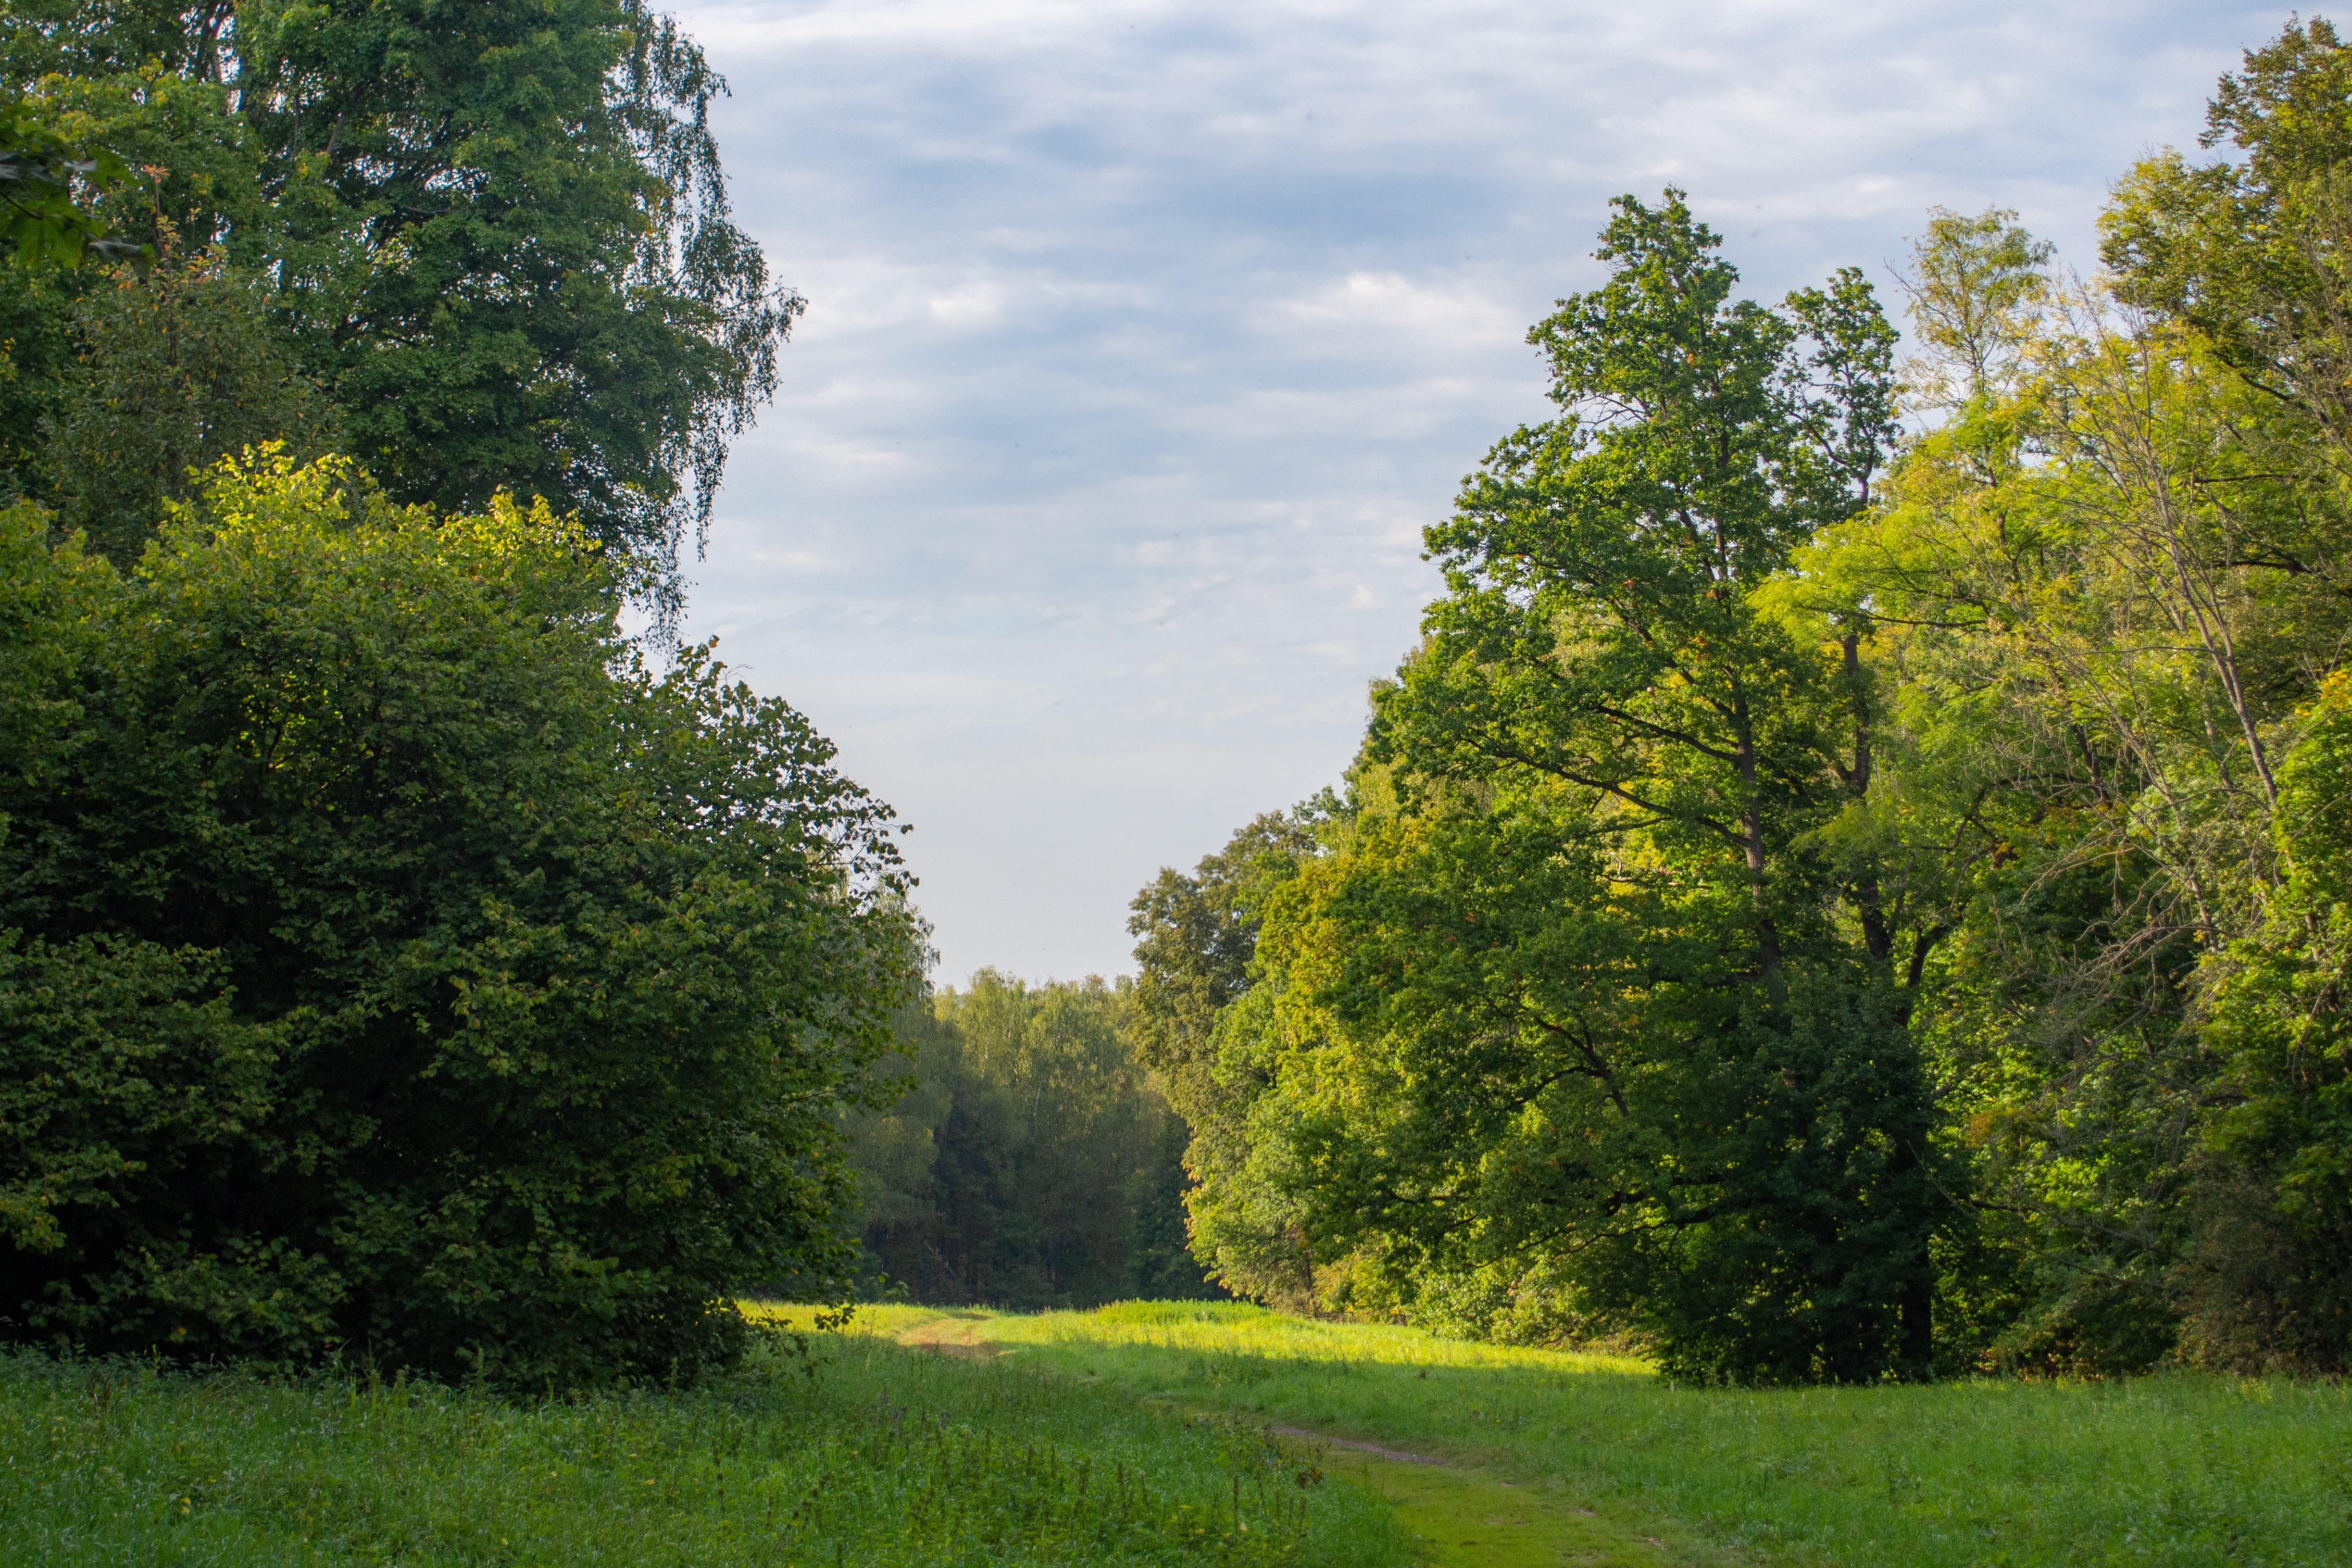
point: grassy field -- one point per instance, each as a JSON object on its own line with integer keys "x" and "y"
{"x": 2172, "y": 1470}
{"x": 1138, "y": 1434}
{"x": 887, "y": 1455}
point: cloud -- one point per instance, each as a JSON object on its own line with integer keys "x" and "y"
{"x": 1143, "y": 339}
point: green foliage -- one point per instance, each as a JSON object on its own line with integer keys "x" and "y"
{"x": 52, "y": 182}
{"x": 2107, "y": 586}
{"x": 2110, "y": 587}
{"x": 1793, "y": 901}
{"x": 1033, "y": 1161}
{"x": 198, "y": 182}
{"x": 498, "y": 238}
{"x": 393, "y": 960}
{"x": 175, "y": 372}
{"x": 491, "y": 253}
{"x": 1974, "y": 287}
{"x": 884, "y": 1458}
{"x": 2271, "y": 1275}
{"x": 43, "y": 218}
{"x": 2250, "y": 253}
{"x": 1196, "y": 940}
{"x": 36, "y": 351}
{"x": 1580, "y": 990}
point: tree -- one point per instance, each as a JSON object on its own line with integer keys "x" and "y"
{"x": 1196, "y": 941}
{"x": 1593, "y": 981}
{"x": 2067, "y": 764}
{"x": 498, "y": 236}
{"x": 1607, "y": 634}
{"x": 1974, "y": 287}
{"x": 1828, "y": 918}
{"x": 393, "y": 962}
{"x": 175, "y": 372}
{"x": 2248, "y": 253}
{"x": 2111, "y": 586}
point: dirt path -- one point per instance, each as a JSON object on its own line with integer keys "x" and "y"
{"x": 1374, "y": 1449}
{"x": 1467, "y": 1516}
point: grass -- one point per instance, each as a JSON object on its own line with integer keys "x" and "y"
{"x": 886, "y": 1457}
{"x": 1136, "y": 1434}
{"x": 2169, "y": 1472}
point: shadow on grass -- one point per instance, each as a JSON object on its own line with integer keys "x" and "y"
{"x": 2180, "y": 1471}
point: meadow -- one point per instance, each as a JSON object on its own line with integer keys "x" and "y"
{"x": 2172, "y": 1470}
{"x": 1162, "y": 1433}
{"x": 870, "y": 1456}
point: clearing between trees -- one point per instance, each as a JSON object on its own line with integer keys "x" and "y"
{"x": 1559, "y": 1457}
{"x": 1160, "y": 1433}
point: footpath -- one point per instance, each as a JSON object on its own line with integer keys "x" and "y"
{"x": 1466, "y": 1515}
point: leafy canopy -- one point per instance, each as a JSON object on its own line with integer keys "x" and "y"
{"x": 1576, "y": 988}
{"x": 497, "y": 235}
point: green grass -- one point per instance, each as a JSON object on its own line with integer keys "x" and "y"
{"x": 886, "y": 1457}
{"x": 2170, "y": 1470}
{"x": 1079, "y": 1439}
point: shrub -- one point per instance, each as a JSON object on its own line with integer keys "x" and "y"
{"x": 390, "y": 960}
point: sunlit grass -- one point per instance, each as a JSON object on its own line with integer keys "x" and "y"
{"x": 1077, "y": 1438}
{"x": 886, "y": 1457}
{"x": 2174, "y": 1470}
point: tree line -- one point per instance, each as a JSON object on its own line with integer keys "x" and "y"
{"x": 1851, "y": 882}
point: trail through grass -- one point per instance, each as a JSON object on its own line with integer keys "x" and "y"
{"x": 1139, "y": 1435}
{"x": 887, "y": 1457}
{"x": 2175, "y": 1471}
{"x": 1465, "y": 1514}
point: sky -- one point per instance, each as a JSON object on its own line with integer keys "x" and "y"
{"x": 1143, "y": 340}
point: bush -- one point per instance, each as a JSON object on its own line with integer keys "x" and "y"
{"x": 391, "y": 961}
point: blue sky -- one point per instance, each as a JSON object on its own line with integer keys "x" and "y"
{"x": 1143, "y": 339}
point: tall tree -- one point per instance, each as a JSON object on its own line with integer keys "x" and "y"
{"x": 1597, "y": 985}
{"x": 497, "y": 235}
{"x": 1196, "y": 945}
{"x": 2248, "y": 253}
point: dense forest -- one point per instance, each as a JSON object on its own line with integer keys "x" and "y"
{"x": 1851, "y": 883}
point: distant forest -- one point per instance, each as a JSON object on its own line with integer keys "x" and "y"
{"x": 1033, "y": 1163}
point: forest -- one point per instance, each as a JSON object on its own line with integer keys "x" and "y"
{"x": 1849, "y": 888}
{"x": 1850, "y": 882}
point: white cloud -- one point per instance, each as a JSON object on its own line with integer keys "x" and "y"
{"x": 1392, "y": 302}
{"x": 975, "y": 304}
